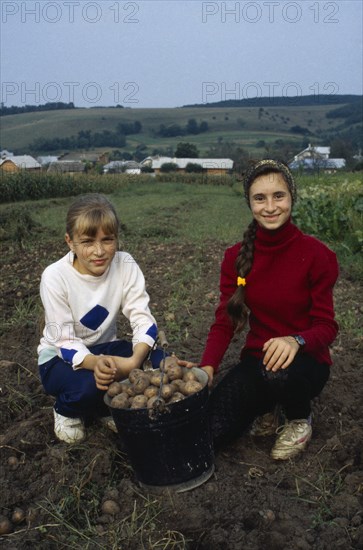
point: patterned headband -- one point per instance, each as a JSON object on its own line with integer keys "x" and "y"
{"x": 263, "y": 167}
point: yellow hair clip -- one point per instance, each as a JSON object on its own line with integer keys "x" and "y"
{"x": 241, "y": 281}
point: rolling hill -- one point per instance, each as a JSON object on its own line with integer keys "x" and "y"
{"x": 248, "y": 124}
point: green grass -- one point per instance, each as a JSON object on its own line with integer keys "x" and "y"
{"x": 168, "y": 212}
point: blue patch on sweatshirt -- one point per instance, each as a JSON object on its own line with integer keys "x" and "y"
{"x": 95, "y": 317}
{"x": 68, "y": 354}
{"x": 152, "y": 331}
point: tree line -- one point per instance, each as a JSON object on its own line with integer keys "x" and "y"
{"x": 14, "y": 110}
{"x": 86, "y": 139}
{"x": 191, "y": 128}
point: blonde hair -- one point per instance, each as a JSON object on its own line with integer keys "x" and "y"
{"x": 89, "y": 213}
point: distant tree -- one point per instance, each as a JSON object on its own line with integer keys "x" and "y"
{"x": 261, "y": 143}
{"x": 340, "y": 148}
{"x": 185, "y": 150}
{"x": 194, "y": 167}
{"x": 168, "y": 167}
{"x": 146, "y": 170}
{"x": 229, "y": 149}
{"x": 203, "y": 126}
{"x": 127, "y": 128}
{"x": 13, "y": 110}
{"x": 192, "y": 127}
{"x": 120, "y": 155}
{"x": 140, "y": 152}
{"x": 170, "y": 131}
{"x": 167, "y": 152}
{"x": 300, "y": 130}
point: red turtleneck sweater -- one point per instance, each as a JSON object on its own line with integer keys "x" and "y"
{"x": 289, "y": 291}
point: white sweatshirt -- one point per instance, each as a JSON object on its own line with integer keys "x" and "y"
{"x": 81, "y": 310}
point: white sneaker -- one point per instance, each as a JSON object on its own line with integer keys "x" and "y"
{"x": 292, "y": 439}
{"x": 69, "y": 430}
{"x": 109, "y": 423}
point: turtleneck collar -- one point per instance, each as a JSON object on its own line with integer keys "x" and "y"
{"x": 280, "y": 236}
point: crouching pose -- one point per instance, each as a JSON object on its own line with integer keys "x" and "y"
{"x": 82, "y": 294}
{"x": 279, "y": 281}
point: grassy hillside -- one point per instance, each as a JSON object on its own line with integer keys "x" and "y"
{"x": 246, "y": 126}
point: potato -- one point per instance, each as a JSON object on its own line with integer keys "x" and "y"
{"x": 177, "y": 396}
{"x": 134, "y": 374}
{"x": 175, "y": 372}
{"x": 151, "y": 391}
{"x": 114, "y": 389}
{"x": 192, "y": 386}
{"x": 5, "y": 526}
{"x": 167, "y": 391}
{"x": 120, "y": 401}
{"x": 169, "y": 362}
{"x": 110, "y": 507}
{"x": 189, "y": 375}
{"x": 140, "y": 384}
{"x": 178, "y": 384}
{"x": 139, "y": 402}
{"x": 130, "y": 391}
{"x": 18, "y": 515}
{"x": 13, "y": 462}
{"x": 157, "y": 377}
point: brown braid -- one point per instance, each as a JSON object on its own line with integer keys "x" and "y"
{"x": 236, "y": 306}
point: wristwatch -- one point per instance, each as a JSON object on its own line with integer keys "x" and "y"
{"x": 299, "y": 339}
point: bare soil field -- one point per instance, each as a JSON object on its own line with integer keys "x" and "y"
{"x": 52, "y": 494}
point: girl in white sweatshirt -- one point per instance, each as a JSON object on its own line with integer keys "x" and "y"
{"x": 82, "y": 294}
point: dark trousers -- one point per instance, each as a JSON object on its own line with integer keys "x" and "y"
{"x": 247, "y": 391}
{"x": 75, "y": 390}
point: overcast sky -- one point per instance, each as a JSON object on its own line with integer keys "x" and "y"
{"x": 171, "y": 53}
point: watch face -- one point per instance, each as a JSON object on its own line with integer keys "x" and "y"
{"x": 300, "y": 340}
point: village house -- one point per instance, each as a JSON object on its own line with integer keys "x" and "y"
{"x": 16, "y": 163}
{"x": 46, "y": 160}
{"x": 91, "y": 158}
{"x": 69, "y": 167}
{"x": 210, "y": 166}
{"x": 5, "y": 154}
{"x": 316, "y": 158}
{"x": 122, "y": 166}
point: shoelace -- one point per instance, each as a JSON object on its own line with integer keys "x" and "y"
{"x": 290, "y": 429}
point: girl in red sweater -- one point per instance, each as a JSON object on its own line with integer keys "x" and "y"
{"x": 280, "y": 282}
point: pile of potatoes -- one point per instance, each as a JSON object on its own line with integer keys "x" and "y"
{"x": 143, "y": 388}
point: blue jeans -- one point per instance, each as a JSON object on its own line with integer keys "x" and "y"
{"x": 75, "y": 391}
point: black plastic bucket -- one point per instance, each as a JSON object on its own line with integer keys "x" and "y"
{"x": 171, "y": 449}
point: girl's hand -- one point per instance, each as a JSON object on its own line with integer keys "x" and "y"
{"x": 209, "y": 370}
{"x": 125, "y": 365}
{"x": 279, "y": 352}
{"x": 187, "y": 364}
{"x": 105, "y": 371}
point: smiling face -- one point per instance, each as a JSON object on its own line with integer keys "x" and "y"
{"x": 93, "y": 254}
{"x": 270, "y": 200}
